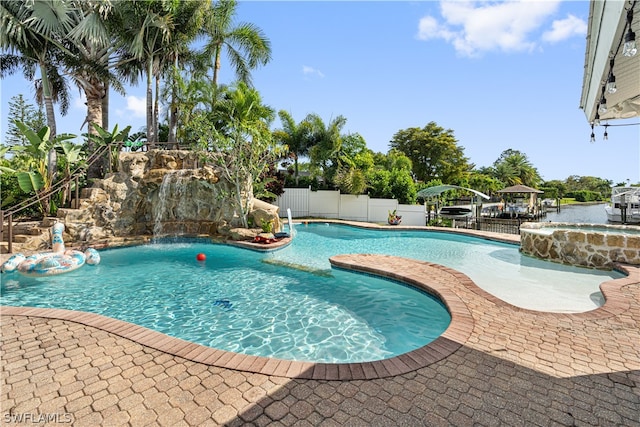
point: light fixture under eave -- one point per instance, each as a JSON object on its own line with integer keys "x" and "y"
{"x": 611, "y": 82}
{"x": 602, "y": 108}
{"x": 630, "y": 48}
{"x": 593, "y": 135}
{"x": 606, "y": 135}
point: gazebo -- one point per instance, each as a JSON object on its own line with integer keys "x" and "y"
{"x": 518, "y": 208}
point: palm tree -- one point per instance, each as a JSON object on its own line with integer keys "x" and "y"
{"x": 195, "y": 98}
{"x": 296, "y": 137}
{"x": 187, "y": 23}
{"x": 326, "y": 145}
{"x": 89, "y": 58}
{"x": 513, "y": 167}
{"x": 154, "y": 38}
{"x": 176, "y": 90}
{"x": 246, "y": 45}
{"x": 143, "y": 28}
{"x": 244, "y": 146}
{"x": 28, "y": 35}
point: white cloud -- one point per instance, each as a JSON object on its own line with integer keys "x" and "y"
{"x": 310, "y": 71}
{"x": 429, "y": 28}
{"x": 474, "y": 27}
{"x": 136, "y": 105}
{"x": 565, "y": 28}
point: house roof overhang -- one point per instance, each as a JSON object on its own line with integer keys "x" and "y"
{"x": 605, "y": 37}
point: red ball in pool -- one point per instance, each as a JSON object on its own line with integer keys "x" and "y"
{"x": 201, "y": 257}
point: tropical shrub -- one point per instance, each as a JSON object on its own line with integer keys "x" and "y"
{"x": 379, "y": 184}
{"x": 38, "y": 165}
{"x": 402, "y": 186}
{"x": 585, "y": 196}
{"x": 350, "y": 180}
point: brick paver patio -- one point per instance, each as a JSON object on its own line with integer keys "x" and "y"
{"x": 496, "y": 365}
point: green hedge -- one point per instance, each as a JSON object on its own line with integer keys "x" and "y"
{"x": 586, "y": 196}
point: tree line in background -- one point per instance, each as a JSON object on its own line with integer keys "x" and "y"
{"x": 176, "y": 49}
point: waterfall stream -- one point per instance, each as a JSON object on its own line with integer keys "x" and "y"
{"x": 172, "y": 202}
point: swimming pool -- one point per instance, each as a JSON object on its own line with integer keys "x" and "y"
{"x": 498, "y": 268}
{"x": 233, "y": 301}
{"x": 266, "y": 304}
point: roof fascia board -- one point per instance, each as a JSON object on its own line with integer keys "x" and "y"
{"x": 606, "y": 17}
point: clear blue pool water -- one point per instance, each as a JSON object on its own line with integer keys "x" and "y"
{"x": 256, "y": 303}
{"x": 233, "y": 301}
{"x": 498, "y": 268}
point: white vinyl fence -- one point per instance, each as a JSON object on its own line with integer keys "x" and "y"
{"x": 331, "y": 204}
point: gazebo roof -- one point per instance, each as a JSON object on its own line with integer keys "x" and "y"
{"x": 520, "y": 189}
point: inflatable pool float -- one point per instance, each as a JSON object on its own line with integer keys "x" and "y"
{"x": 57, "y": 261}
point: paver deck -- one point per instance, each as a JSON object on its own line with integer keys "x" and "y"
{"x": 495, "y": 365}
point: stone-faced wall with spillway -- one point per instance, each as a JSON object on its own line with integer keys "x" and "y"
{"x": 598, "y": 246}
{"x": 162, "y": 193}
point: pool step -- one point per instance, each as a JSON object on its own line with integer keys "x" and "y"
{"x": 317, "y": 272}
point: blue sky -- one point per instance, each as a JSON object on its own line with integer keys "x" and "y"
{"x": 499, "y": 74}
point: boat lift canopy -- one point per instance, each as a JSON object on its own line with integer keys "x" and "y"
{"x": 439, "y": 189}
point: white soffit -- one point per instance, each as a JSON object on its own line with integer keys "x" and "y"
{"x": 606, "y": 30}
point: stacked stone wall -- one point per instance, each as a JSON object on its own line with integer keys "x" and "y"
{"x": 597, "y": 246}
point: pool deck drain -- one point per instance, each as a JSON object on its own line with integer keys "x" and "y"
{"x": 496, "y": 365}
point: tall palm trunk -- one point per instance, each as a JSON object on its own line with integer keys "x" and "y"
{"x": 105, "y": 107}
{"x": 156, "y": 108}
{"x": 216, "y": 67}
{"x": 173, "y": 112}
{"x": 173, "y": 118}
{"x": 48, "y": 100}
{"x": 151, "y": 137}
{"x": 52, "y": 156}
{"x": 94, "y": 92}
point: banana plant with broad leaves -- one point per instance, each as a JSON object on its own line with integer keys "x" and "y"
{"x": 113, "y": 139}
{"x": 3, "y": 151}
{"x": 37, "y": 175}
{"x": 73, "y": 156}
